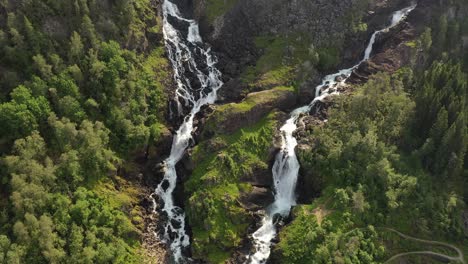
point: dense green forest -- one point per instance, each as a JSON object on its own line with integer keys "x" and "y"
{"x": 392, "y": 155}
{"x": 81, "y": 92}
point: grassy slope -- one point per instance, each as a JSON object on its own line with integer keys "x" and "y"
{"x": 218, "y": 221}
{"x": 216, "y": 8}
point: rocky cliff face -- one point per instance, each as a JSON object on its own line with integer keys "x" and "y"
{"x": 233, "y": 26}
{"x": 305, "y": 39}
{"x": 233, "y": 33}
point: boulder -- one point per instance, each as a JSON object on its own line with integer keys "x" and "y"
{"x": 257, "y": 199}
{"x": 260, "y": 177}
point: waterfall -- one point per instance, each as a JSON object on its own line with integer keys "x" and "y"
{"x": 197, "y": 82}
{"x": 286, "y": 167}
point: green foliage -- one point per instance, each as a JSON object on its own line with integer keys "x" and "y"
{"x": 355, "y": 148}
{"x": 41, "y": 67}
{"x": 43, "y": 217}
{"x": 441, "y": 129}
{"x": 385, "y": 159}
{"x": 328, "y": 58}
{"x": 447, "y": 35}
{"x": 23, "y": 114}
{"x": 81, "y": 88}
{"x": 355, "y": 14}
{"x": 76, "y": 47}
{"x": 306, "y": 241}
{"x": 16, "y": 120}
{"x": 288, "y": 61}
{"x": 358, "y": 139}
{"x": 284, "y": 59}
{"x": 426, "y": 40}
{"x": 218, "y": 222}
{"x": 216, "y": 8}
{"x": 441, "y": 32}
{"x": 127, "y": 86}
{"x": 219, "y": 121}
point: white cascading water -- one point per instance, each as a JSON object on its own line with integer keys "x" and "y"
{"x": 286, "y": 166}
{"x": 190, "y": 60}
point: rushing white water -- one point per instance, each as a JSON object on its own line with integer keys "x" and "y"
{"x": 190, "y": 60}
{"x": 286, "y": 166}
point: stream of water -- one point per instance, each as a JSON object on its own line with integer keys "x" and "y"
{"x": 197, "y": 81}
{"x": 286, "y": 167}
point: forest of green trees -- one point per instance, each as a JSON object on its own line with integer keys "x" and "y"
{"x": 392, "y": 154}
{"x": 81, "y": 90}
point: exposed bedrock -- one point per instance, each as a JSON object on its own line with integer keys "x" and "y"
{"x": 232, "y": 28}
{"x": 231, "y": 117}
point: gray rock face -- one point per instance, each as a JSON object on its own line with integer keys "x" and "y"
{"x": 233, "y": 34}
{"x": 323, "y": 21}
{"x": 232, "y": 117}
{"x": 257, "y": 199}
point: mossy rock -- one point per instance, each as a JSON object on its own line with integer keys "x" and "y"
{"x": 280, "y": 62}
{"x": 229, "y": 118}
{"x": 217, "y": 8}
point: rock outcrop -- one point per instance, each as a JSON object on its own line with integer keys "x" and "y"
{"x": 394, "y": 50}
{"x": 230, "y": 117}
{"x": 233, "y": 26}
{"x": 257, "y": 199}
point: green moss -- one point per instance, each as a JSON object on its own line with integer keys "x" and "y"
{"x": 258, "y": 98}
{"x": 216, "y": 8}
{"x": 215, "y": 255}
{"x": 329, "y": 58}
{"x": 156, "y": 66}
{"x": 124, "y": 199}
{"x": 288, "y": 60}
{"x": 218, "y": 218}
{"x": 225, "y": 113}
{"x": 239, "y": 153}
{"x": 280, "y": 60}
{"x": 411, "y": 44}
{"x": 218, "y": 221}
{"x": 281, "y": 75}
{"x": 277, "y": 50}
{"x": 360, "y": 27}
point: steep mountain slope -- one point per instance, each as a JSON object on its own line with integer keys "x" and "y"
{"x": 262, "y": 48}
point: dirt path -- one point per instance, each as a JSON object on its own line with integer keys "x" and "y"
{"x": 459, "y": 258}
